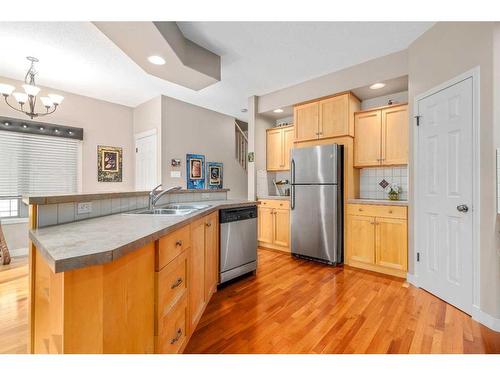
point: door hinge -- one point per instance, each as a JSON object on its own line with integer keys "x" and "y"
{"x": 418, "y": 257}
{"x": 418, "y": 120}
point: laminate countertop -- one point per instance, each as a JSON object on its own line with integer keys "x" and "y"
{"x": 104, "y": 239}
{"x": 383, "y": 202}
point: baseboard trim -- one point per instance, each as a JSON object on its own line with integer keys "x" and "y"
{"x": 485, "y": 319}
{"x": 412, "y": 279}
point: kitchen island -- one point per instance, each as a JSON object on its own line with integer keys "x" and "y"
{"x": 122, "y": 283}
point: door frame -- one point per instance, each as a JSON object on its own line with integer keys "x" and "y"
{"x": 144, "y": 134}
{"x": 414, "y": 279}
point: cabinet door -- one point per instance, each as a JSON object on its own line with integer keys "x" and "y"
{"x": 211, "y": 254}
{"x": 196, "y": 282}
{"x": 333, "y": 117}
{"x": 395, "y": 135}
{"x": 274, "y": 150}
{"x": 288, "y": 138}
{"x": 391, "y": 246}
{"x": 306, "y": 120}
{"x": 361, "y": 237}
{"x": 281, "y": 227}
{"x": 265, "y": 224}
{"x": 367, "y": 140}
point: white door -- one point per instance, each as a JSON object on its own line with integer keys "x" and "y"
{"x": 145, "y": 162}
{"x": 444, "y": 193}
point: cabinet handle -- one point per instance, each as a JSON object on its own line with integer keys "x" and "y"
{"x": 177, "y": 337}
{"x": 390, "y": 211}
{"x": 209, "y": 224}
{"x": 372, "y": 223}
{"x": 177, "y": 283}
{"x": 360, "y": 209}
{"x": 178, "y": 243}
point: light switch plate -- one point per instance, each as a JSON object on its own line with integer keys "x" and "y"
{"x": 84, "y": 208}
{"x": 176, "y": 174}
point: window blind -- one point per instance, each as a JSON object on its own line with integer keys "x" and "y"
{"x": 37, "y": 164}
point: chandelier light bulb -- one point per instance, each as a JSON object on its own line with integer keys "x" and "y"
{"x": 56, "y": 99}
{"x": 31, "y": 90}
{"x": 6, "y": 89}
{"x": 21, "y": 97}
{"x": 46, "y": 101}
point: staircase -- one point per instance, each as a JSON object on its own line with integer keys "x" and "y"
{"x": 241, "y": 147}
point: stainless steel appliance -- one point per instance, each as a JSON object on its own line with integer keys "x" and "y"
{"x": 317, "y": 203}
{"x": 238, "y": 242}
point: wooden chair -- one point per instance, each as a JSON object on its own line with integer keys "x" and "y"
{"x": 4, "y": 251}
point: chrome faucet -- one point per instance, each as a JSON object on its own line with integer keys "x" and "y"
{"x": 155, "y": 195}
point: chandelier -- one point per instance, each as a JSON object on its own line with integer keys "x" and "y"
{"x": 28, "y": 98}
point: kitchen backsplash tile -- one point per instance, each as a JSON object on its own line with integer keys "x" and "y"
{"x": 370, "y": 179}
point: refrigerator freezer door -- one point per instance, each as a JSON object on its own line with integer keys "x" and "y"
{"x": 315, "y": 165}
{"x": 316, "y": 223}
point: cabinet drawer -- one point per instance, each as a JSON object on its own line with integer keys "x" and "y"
{"x": 395, "y": 212}
{"x": 172, "y": 330}
{"x": 275, "y": 203}
{"x": 172, "y": 245}
{"x": 171, "y": 284}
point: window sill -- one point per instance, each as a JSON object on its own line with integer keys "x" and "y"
{"x": 14, "y": 220}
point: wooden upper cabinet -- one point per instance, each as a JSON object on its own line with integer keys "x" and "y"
{"x": 274, "y": 150}
{"x": 326, "y": 118}
{"x": 288, "y": 138}
{"x": 306, "y": 120}
{"x": 334, "y": 117}
{"x": 278, "y": 145}
{"x": 381, "y": 137}
{"x": 395, "y": 135}
{"x": 367, "y": 142}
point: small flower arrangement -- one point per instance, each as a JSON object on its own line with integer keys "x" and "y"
{"x": 393, "y": 191}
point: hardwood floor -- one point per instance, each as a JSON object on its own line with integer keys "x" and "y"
{"x": 14, "y": 306}
{"x": 295, "y": 306}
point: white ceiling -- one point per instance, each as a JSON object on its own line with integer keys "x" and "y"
{"x": 257, "y": 57}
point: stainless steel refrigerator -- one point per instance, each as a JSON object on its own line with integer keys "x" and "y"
{"x": 317, "y": 203}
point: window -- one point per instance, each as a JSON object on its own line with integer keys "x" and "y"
{"x": 35, "y": 164}
{"x": 9, "y": 207}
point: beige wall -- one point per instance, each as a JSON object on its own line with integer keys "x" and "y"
{"x": 187, "y": 128}
{"x": 443, "y": 52}
{"x": 376, "y": 70}
{"x": 147, "y": 116}
{"x": 104, "y": 123}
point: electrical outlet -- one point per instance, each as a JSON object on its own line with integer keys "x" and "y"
{"x": 176, "y": 174}
{"x": 84, "y": 208}
{"x": 205, "y": 195}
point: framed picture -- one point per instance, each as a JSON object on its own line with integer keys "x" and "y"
{"x": 195, "y": 171}
{"x": 215, "y": 175}
{"x": 109, "y": 164}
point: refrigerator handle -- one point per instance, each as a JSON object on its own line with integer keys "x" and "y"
{"x": 292, "y": 185}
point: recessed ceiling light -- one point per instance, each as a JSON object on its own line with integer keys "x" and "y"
{"x": 377, "y": 86}
{"x": 157, "y": 60}
{"x": 279, "y": 110}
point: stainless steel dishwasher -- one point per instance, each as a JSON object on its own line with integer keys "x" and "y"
{"x": 238, "y": 242}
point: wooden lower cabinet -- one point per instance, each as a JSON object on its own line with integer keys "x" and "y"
{"x": 274, "y": 224}
{"x": 377, "y": 238}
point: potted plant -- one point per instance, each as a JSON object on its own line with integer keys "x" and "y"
{"x": 393, "y": 192}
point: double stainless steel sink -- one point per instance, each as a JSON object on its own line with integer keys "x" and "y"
{"x": 171, "y": 210}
